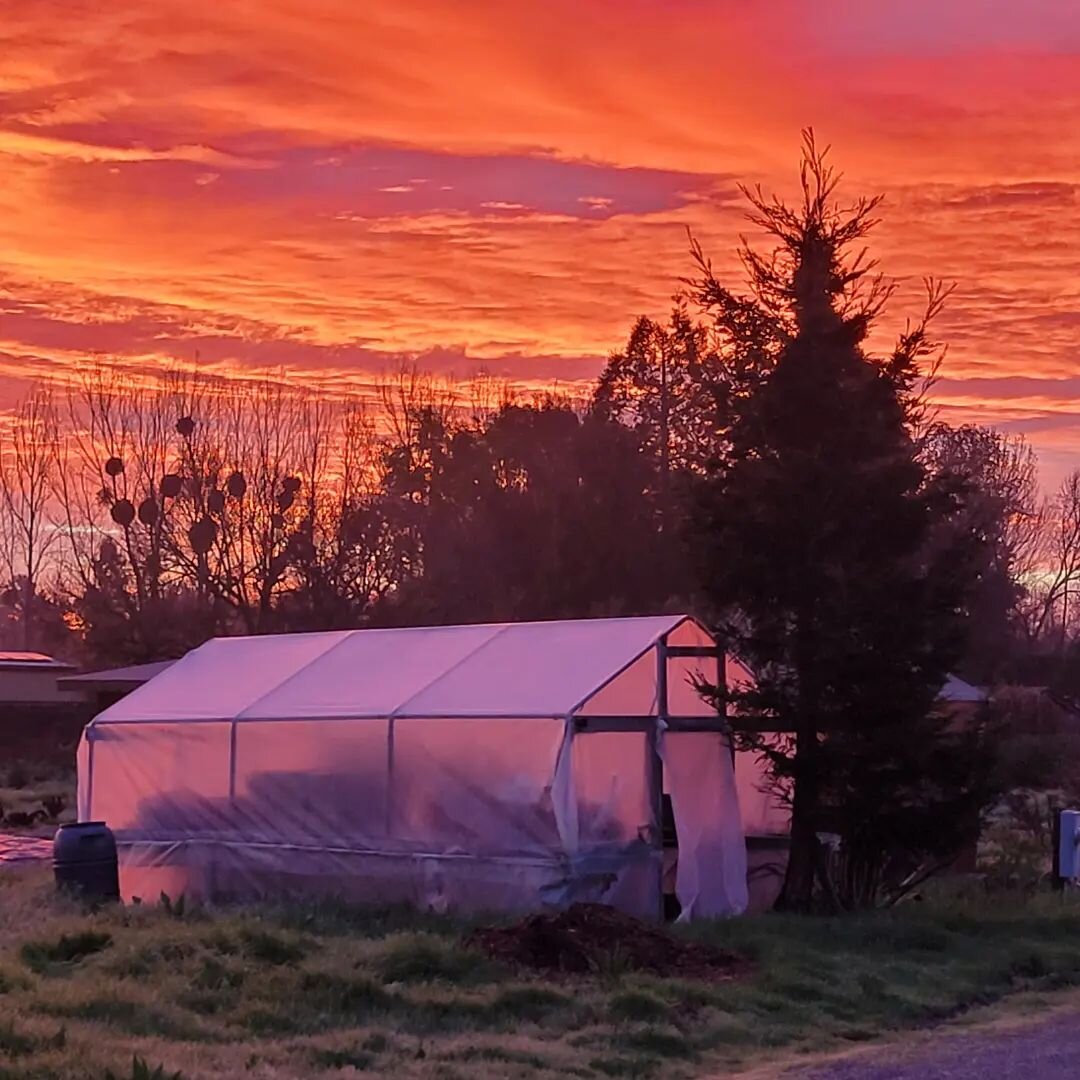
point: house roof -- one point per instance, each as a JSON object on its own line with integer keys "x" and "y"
{"x": 31, "y": 661}
{"x": 956, "y": 690}
{"x": 512, "y": 670}
{"x": 122, "y": 678}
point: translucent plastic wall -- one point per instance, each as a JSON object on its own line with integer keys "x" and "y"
{"x": 483, "y": 812}
{"x": 446, "y": 813}
{"x": 614, "y": 839}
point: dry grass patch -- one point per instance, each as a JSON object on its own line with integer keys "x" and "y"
{"x": 282, "y": 992}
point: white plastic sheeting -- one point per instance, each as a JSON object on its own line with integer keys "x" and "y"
{"x": 710, "y": 878}
{"x": 436, "y": 766}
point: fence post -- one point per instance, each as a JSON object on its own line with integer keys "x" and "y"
{"x": 1058, "y": 880}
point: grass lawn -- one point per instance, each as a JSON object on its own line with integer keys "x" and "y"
{"x": 326, "y": 991}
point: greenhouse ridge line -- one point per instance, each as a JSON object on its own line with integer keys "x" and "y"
{"x": 587, "y": 658}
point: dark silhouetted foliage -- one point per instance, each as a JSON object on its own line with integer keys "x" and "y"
{"x": 840, "y": 565}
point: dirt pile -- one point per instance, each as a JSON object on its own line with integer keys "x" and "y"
{"x": 593, "y": 938}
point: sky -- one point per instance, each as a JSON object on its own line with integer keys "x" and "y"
{"x": 327, "y": 188}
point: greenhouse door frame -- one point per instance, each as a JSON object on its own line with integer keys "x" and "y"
{"x": 662, "y": 721}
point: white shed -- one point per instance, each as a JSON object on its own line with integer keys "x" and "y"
{"x": 500, "y": 767}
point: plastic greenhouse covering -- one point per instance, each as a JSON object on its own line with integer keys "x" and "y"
{"x": 500, "y": 767}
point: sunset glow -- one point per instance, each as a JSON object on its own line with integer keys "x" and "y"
{"x": 325, "y": 187}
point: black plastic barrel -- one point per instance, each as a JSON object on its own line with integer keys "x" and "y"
{"x": 84, "y": 860}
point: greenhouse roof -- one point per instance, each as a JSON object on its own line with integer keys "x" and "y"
{"x": 538, "y": 669}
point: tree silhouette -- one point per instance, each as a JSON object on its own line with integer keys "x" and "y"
{"x": 819, "y": 539}
{"x": 1002, "y": 503}
{"x": 532, "y": 512}
{"x": 28, "y": 465}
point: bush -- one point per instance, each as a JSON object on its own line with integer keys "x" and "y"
{"x": 1016, "y": 846}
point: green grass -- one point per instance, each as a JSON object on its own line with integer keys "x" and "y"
{"x": 327, "y": 990}
{"x": 49, "y": 957}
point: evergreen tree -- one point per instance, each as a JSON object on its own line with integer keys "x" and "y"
{"x": 822, "y": 539}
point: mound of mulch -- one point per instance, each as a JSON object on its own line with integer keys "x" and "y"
{"x": 594, "y": 938}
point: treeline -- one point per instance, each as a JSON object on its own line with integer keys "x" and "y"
{"x": 138, "y": 518}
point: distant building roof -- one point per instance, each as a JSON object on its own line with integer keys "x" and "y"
{"x": 123, "y": 678}
{"x": 31, "y": 660}
{"x": 955, "y": 689}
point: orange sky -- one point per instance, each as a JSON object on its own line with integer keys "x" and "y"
{"x": 327, "y": 185}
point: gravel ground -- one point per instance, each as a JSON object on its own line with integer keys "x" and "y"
{"x": 19, "y": 850}
{"x": 1045, "y": 1050}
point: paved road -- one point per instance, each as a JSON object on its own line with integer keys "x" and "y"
{"x": 1044, "y": 1050}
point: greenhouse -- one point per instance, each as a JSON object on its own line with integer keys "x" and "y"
{"x": 506, "y": 767}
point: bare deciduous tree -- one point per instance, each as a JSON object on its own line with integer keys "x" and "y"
{"x": 250, "y": 506}
{"x": 28, "y": 465}
{"x": 1054, "y": 576}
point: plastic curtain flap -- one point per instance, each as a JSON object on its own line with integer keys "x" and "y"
{"x": 710, "y": 879}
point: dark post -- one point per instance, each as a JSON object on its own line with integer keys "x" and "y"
{"x": 656, "y": 771}
{"x": 1058, "y": 882}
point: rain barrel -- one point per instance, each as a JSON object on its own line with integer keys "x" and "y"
{"x": 84, "y": 860}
